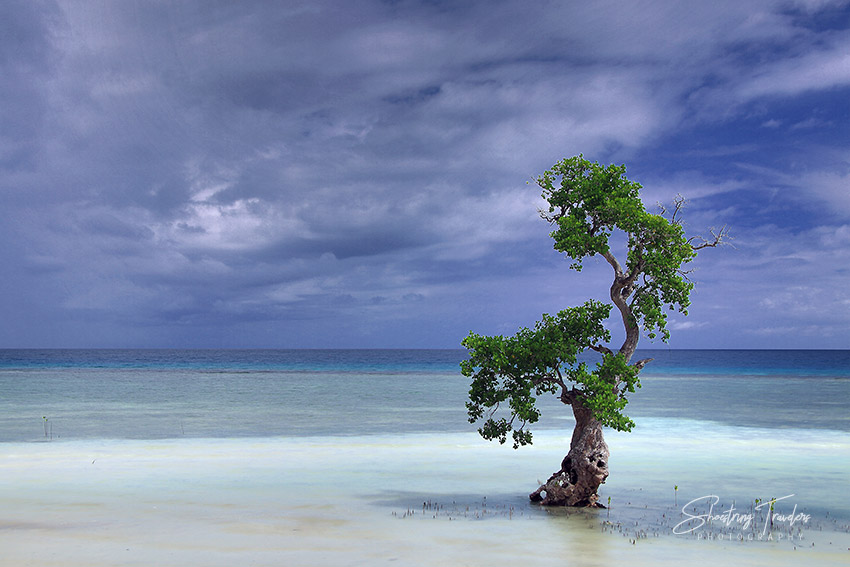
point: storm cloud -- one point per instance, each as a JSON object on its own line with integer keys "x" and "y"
{"x": 341, "y": 174}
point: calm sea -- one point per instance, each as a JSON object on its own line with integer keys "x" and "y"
{"x": 154, "y": 394}
{"x": 334, "y": 457}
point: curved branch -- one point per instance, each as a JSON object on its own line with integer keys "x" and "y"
{"x": 717, "y": 238}
{"x": 560, "y": 378}
{"x": 618, "y": 269}
{"x": 621, "y": 288}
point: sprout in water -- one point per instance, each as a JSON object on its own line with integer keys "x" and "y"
{"x": 48, "y": 427}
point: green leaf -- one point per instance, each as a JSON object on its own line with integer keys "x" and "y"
{"x": 587, "y": 203}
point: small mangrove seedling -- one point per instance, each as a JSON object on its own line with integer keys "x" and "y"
{"x": 676, "y": 495}
{"x": 772, "y": 502}
{"x": 609, "y": 506}
{"x": 48, "y": 427}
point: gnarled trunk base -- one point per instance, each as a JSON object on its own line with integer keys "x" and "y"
{"x": 583, "y": 469}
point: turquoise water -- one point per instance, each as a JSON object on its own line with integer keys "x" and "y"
{"x": 153, "y": 394}
{"x": 357, "y": 457}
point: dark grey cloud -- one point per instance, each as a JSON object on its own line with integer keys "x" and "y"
{"x": 341, "y": 174}
{"x": 26, "y": 60}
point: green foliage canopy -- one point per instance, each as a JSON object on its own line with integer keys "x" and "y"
{"x": 587, "y": 203}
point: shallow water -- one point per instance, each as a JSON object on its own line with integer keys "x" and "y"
{"x": 366, "y": 462}
{"x": 428, "y": 499}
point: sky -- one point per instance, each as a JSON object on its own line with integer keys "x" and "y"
{"x": 360, "y": 174}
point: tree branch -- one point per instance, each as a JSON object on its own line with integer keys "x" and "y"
{"x": 679, "y": 203}
{"x": 629, "y": 280}
{"x": 717, "y": 238}
{"x": 601, "y": 349}
{"x": 618, "y": 269}
{"x": 547, "y": 380}
{"x": 568, "y": 396}
{"x": 620, "y": 285}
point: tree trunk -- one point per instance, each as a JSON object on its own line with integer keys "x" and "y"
{"x": 583, "y": 469}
